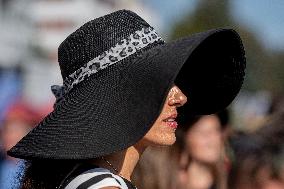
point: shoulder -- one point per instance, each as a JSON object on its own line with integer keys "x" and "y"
{"x": 97, "y": 178}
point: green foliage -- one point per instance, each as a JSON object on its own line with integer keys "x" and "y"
{"x": 265, "y": 68}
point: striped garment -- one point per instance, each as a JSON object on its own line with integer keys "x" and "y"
{"x": 97, "y": 178}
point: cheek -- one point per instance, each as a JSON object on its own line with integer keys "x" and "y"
{"x": 204, "y": 149}
{"x": 195, "y": 146}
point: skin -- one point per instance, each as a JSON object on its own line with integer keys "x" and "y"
{"x": 197, "y": 176}
{"x": 160, "y": 134}
{"x": 11, "y": 132}
{"x": 204, "y": 140}
{"x": 263, "y": 179}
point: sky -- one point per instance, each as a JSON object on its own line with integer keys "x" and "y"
{"x": 264, "y": 17}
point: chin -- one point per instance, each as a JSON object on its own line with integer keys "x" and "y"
{"x": 161, "y": 137}
{"x": 166, "y": 141}
{"x": 209, "y": 160}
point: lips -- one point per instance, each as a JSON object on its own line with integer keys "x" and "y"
{"x": 171, "y": 122}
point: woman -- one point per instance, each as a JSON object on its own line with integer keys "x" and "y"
{"x": 201, "y": 161}
{"x": 193, "y": 162}
{"x": 118, "y": 97}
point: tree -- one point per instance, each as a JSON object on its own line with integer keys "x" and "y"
{"x": 263, "y": 67}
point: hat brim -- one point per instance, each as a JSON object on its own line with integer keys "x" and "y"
{"x": 101, "y": 116}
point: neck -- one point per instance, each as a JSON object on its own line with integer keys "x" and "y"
{"x": 201, "y": 175}
{"x": 123, "y": 162}
{"x": 201, "y": 165}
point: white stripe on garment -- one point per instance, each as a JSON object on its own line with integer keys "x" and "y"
{"x": 106, "y": 182}
{"x": 122, "y": 182}
{"x": 77, "y": 181}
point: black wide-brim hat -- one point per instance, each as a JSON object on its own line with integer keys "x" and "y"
{"x": 117, "y": 73}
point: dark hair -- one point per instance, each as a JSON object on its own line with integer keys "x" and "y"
{"x": 157, "y": 168}
{"x": 187, "y": 121}
{"x": 252, "y": 156}
{"x": 223, "y": 117}
{"x": 273, "y": 131}
{"x": 256, "y": 152}
{"x": 276, "y": 105}
{"x": 45, "y": 174}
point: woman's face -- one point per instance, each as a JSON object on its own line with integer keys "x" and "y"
{"x": 163, "y": 130}
{"x": 204, "y": 139}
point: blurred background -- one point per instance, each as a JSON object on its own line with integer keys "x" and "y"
{"x": 31, "y": 31}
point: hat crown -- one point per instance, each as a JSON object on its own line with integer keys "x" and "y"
{"x": 96, "y": 37}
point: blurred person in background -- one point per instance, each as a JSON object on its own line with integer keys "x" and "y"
{"x": 258, "y": 157}
{"x": 202, "y": 164}
{"x": 19, "y": 119}
{"x": 196, "y": 161}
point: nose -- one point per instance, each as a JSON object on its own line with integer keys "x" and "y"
{"x": 176, "y": 97}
